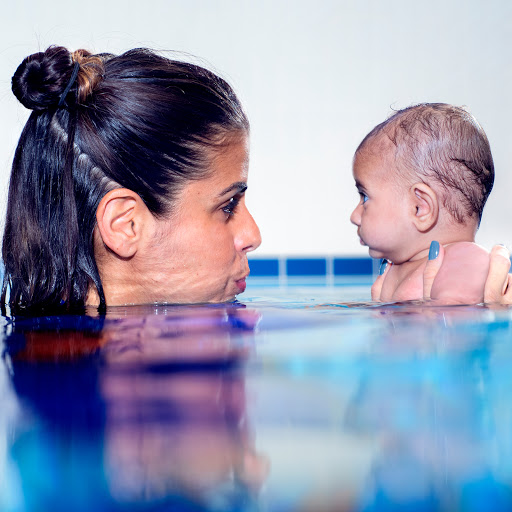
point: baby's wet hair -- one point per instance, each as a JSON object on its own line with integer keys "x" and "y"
{"x": 445, "y": 147}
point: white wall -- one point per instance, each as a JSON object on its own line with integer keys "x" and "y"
{"x": 315, "y": 77}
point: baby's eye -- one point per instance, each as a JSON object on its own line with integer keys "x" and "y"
{"x": 364, "y": 197}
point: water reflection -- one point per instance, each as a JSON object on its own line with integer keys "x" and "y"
{"x": 255, "y": 408}
{"x": 135, "y": 409}
{"x": 411, "y": 413}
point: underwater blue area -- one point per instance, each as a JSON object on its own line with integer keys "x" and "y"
{"x": 297, "y": 397}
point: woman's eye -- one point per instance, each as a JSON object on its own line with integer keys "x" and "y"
{"x": 230, "y": 208}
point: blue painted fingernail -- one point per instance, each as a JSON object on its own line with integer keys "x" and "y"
{"x": 383, "y": 266}
{"x": 433, "y": 253}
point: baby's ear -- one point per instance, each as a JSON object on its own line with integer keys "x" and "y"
{"x": 425, "y": 207}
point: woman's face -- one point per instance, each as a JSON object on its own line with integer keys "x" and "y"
{"x": 199, "y": 253}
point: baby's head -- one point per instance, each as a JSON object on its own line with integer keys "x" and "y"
{"x": 426, "y": 167}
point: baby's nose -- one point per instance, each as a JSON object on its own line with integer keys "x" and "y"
{"x": 355, "y": 218}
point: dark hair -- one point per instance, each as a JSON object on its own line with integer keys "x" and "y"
{"x": 138, "y": 120}
{"x": 445, "y": 144}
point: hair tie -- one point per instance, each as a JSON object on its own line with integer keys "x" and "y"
{"x": 74, "y": 74}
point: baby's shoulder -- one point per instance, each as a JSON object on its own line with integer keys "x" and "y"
{"x": 465, "y": 250}
{"x": 461, "y": 278}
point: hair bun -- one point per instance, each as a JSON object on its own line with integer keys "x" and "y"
{"x": 42, "y": 77}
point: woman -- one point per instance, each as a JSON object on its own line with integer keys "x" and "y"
{"x": 127, "y": 185}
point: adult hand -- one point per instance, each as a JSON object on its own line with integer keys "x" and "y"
{"x": 435, "y": 260}
{"x": 498, "y": 286}
{"x": 377, "y": 284}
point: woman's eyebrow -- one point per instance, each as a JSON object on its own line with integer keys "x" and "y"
{"x": 239, "y": 186}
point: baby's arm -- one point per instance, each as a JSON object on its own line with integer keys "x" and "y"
{"x": 461, "y": 278}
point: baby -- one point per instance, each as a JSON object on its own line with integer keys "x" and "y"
{"x": 424, "y": 174}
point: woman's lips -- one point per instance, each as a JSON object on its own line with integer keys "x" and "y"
{"x": 241, "y": 284}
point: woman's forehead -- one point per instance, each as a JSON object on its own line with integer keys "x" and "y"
{"x": 231, "y": 162}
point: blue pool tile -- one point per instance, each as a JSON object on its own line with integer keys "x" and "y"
{"x": 312, "y": 267}
{"x": 352, "y": 266}
{"x": 268, "y": 267}
{"x": 306, "y": 266}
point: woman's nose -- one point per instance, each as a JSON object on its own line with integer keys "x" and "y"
{"x": 248, "y": 237}
{"x": 355, "y": 217}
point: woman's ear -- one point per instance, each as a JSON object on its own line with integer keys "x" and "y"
{"x": 425, "y": 207}
{"x": 121, "y": 217}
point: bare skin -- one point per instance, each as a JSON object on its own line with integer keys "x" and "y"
{"x": 197, "y": 253}
{"x": 459, "y": 277}
{"x": 498, "y": 284}
{"x": 397, "y": 218}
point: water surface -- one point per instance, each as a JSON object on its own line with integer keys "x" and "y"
{"x": 293, "y": 400}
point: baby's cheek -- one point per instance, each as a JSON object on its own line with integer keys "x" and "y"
{"x": 382, "y": 233}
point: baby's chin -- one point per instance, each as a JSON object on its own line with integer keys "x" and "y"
{"x": 397, "y": 258}
{"x": 376, "y": 254}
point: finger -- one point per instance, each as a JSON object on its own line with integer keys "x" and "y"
{"x": 377, "y": 285}
{"x": 507, "y": 297}
{"x": 498, "y": 288}
{"x": 507, "y": 291}
{"x": 435, "y": 260}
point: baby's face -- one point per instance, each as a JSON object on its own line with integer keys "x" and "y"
{"x": 382, "y": 215}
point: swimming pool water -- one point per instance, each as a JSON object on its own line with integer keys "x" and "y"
{"x": 291, "y": 400}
